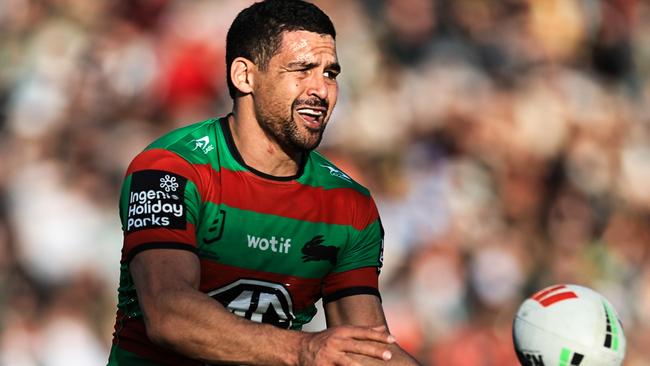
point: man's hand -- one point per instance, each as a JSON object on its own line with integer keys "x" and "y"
{"x": 333, "y": 346}
{"x": 366, "y": 311}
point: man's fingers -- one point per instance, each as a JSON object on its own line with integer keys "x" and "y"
{"x": 384, "y": 329}
{"x": 368, "y": 348}
{"x": 347, "y": 345}
{"x": 368, "y": 342}
{"x": 378, "y": 334}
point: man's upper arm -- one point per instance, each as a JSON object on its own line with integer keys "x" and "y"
{"x": 157, "y": 270}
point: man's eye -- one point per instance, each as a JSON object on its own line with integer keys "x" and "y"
{"x": 331, "y": 75}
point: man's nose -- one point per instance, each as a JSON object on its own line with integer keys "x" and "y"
{"x": 318, "y": 86}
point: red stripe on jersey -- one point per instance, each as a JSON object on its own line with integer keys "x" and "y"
{"x": 341, "y": 206}
{"x": 304, "y": 291}
{"x": 246, "y": 191}
{"x": 361, "y": 277}
{"x": 145, "y": 236}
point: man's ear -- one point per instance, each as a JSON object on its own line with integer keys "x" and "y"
{"x": 241, "y": 74}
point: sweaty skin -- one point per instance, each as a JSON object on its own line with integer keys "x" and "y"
{"x": 271, "y": 133}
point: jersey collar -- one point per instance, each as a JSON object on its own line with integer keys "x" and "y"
{"x": 227, "y": 134}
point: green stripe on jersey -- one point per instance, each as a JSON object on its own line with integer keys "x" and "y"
{"x": 200, "y": 143}
{"x": 320, "y": 172}
{"x": 278, "y": 244}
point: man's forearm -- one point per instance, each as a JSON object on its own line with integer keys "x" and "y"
{"x": 178, "y": 316}
{"x": 197, "y": 326}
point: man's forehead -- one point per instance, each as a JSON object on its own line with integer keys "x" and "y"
{"x": 299, "y": 42}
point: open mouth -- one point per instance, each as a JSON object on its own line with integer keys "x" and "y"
{"x": 312, "y": 117}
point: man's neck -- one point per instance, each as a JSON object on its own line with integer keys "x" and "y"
{"x": 258, "y": 150}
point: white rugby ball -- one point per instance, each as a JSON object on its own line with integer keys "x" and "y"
{"x": 568, "y": 325}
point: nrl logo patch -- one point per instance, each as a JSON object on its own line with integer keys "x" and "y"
{"x": 215, "y": 230}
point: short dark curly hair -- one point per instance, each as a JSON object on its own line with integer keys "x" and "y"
{"x": 256, "y": 32}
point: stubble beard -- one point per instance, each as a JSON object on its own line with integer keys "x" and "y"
{"x": 286, "y": 132}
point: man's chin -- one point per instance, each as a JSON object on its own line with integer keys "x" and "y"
{"x": 310, "y": 143}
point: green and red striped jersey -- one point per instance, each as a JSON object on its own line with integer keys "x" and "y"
{"x": 269, "y": 247}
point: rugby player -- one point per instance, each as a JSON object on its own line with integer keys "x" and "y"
{"x": 235, "y": 227}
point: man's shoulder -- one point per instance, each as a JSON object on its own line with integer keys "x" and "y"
{"x": 193, "y": 134}
{"x": 184, "y": 148}
{"x": 328, "y": 175}
{"x": 193, "y": 142}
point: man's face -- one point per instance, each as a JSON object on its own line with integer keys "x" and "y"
{"x": 295, "y": 96}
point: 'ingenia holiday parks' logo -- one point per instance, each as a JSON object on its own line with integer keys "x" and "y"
{"x": 156, "y": 199}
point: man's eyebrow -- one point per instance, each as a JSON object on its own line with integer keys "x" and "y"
{"x": 335, "y": 66}
{"x": 301, "y": 65}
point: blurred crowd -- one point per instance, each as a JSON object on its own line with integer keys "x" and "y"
{"x": 506, "y": 142}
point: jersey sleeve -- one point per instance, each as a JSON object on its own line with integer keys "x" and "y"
{"x": 357, "y": 268}
{"x": 160, "y": 203}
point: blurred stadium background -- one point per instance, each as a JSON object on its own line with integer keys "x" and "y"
{"x": 507, "y": 143}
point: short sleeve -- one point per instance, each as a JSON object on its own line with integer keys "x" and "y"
{"x": 357, "y": 268}
{"x": 160, "y": 203}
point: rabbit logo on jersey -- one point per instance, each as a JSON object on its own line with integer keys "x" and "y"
{"x": 156, "y": 200}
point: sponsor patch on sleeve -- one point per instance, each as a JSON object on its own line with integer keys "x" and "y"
{"x": 156, "y": 200}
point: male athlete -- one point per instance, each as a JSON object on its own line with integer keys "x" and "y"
{"x": 234, "y": 227}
